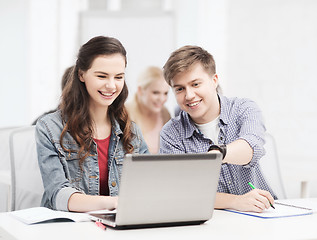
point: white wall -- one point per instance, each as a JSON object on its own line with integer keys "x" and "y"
{"x": 53, "y": 47}
{"x": 39, "y": 40}
{"x": 272, "y": 58}
{"x": 265, "y": 50}
{"x": 14, "y": 97}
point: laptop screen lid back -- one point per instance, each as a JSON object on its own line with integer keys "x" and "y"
{"x": 168, "y": 188}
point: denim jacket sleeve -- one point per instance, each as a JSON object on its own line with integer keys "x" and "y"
{"x": 139, "y": 138}
{"x": 57, "y": 189}
{"x": 57, "y": 170}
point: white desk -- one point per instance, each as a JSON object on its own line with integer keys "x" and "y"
{"x": 223, "y": 225}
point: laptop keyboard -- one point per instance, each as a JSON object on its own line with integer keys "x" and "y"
{"x": 110, "y": 217}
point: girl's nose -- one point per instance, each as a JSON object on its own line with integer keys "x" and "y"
{"x": 110, "y": 84}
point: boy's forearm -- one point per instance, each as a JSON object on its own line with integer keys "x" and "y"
{"x": 239, "y": 152}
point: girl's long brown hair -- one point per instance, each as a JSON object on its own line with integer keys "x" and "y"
{"x": 75, "y": 99}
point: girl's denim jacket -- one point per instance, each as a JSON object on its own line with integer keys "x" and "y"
{"x": 61, "y": 173}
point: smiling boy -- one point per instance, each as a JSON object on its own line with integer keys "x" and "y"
{"x": 211, "y": 121}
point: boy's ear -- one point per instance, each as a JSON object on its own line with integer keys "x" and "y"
{"x": 80, "y": 75}
{"x": 215, "y": 79}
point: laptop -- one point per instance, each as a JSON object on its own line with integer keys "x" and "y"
{"x": 165, "y": 190}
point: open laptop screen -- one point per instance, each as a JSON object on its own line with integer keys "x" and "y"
{"x": 167, "y": 188}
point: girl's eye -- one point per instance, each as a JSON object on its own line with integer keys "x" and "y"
{"x": 101, "y": 76}
{"x": 119, "y": 77}
{"x": 196, "y": 84}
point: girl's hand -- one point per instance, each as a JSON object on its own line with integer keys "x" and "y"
{"x": 111, "y": 203}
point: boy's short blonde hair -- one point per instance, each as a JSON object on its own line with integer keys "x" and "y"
{"x": 183, "y": 58}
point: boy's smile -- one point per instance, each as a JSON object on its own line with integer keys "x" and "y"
{"x": 195, "y": 92}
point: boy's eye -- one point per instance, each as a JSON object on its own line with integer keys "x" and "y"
{"x": 178, "y": 89}
{"x": 101, "y": 76}
{"x": 195, "y": 84}
{"x": 119, "y": 77}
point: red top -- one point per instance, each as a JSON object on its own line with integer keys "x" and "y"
{"x": 102, "y": 148}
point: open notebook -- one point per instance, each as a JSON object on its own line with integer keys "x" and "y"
{"x": 43, "y": 215}
{"x": 281, "y": 210}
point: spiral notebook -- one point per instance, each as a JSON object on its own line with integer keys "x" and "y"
{"x": 281, "y": 210}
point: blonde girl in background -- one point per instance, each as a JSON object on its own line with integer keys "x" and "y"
{"x": 147, "y": 108}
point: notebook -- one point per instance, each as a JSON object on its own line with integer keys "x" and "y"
{"x": 281, "y": 210}
{"x": 165, "y": 190}
{"x": 45, "y": 215}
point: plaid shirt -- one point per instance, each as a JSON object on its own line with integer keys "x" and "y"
{"x": 240, "y": 118}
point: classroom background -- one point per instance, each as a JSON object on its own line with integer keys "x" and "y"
{"x": 265, "y": 50}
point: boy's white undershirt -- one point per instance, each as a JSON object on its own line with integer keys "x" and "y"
{"x": 210, "y": 130}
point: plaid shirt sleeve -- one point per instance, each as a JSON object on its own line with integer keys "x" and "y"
{"x": 242, "y": 119}
{"x": 252, "y": 128}
{"x": 170, "y": 139}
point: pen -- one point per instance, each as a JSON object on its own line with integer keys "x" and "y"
{"x": 251, "y": 185}
{"x": 102, "y": 226}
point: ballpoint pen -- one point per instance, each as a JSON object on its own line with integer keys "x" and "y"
{"x": 251, "y": 185}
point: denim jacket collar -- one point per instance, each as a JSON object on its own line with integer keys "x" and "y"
{"x": 116, "y": 128}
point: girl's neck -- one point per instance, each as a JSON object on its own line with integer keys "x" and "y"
{"x": 101, "y": 122}
{"x": 98, "y": 114}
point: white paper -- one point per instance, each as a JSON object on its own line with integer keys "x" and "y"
{"x": 281, "y": 210}
{"x": 42, "y": 214}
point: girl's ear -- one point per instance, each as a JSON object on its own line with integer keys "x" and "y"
{"x": 80, "y": 75}
{"x": 140, "y": 90}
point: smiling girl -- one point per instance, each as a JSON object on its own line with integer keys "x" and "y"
{"x": 147, "y": 108}
{"x": 81, "y": 146}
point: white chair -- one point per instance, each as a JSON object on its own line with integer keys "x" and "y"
{"x": 5, "y": 172}
{"x": 270, "y": 167}
{"x": 27, "y": 186}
